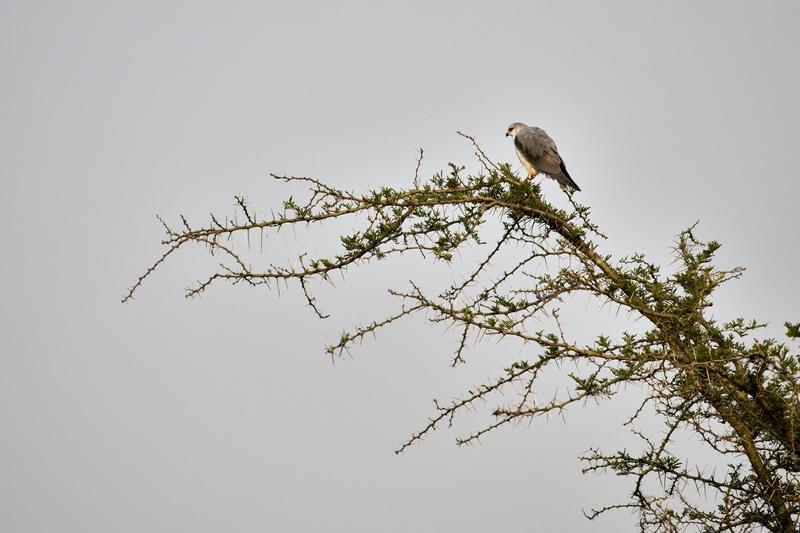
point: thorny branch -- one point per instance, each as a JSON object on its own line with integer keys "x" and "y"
{"x": 738, "y": 394}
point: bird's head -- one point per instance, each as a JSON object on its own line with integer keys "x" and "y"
{"x": 514, "y": 128}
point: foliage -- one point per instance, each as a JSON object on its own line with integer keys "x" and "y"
{"x": 738, "y": 394}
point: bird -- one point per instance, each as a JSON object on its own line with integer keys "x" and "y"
{"x": 538, "y": 153}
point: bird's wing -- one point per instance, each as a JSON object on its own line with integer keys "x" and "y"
{"x": 539, "y": 149}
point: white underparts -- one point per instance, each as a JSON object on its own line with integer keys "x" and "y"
{"x": 531, "y": 170}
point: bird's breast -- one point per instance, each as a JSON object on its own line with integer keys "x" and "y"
{"x": 527, "y": 164}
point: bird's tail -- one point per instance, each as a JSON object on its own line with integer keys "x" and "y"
{"x": 565, "y": 179}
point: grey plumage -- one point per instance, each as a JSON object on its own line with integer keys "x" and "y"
{"x": 538, "y": 153}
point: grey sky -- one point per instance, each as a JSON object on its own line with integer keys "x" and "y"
{"x": 221, "y": 414}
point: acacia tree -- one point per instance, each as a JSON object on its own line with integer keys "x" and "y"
{"x": 738, "y": 394}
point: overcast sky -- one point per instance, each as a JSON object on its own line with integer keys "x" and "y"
{"x": 222, "y": 413}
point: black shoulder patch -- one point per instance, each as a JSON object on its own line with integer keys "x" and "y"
{"x": 518, "y": 145}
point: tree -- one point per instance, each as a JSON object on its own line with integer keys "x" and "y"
{"x": 737, "y": 393}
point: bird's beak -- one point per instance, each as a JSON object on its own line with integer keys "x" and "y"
{"x": 508, "y": 134}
